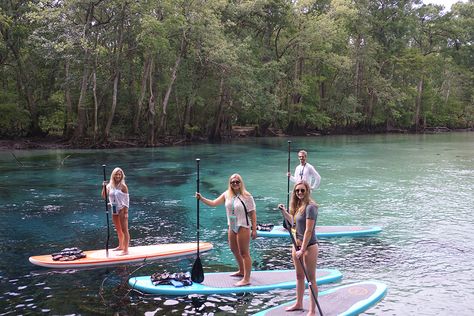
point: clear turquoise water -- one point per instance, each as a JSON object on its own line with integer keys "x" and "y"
{"x": 419, "y": 188}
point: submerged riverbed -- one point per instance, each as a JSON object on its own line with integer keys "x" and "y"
{"x": 418, "y": 188}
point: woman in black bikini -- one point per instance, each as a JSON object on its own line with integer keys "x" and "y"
{"x": 302, "y": 217}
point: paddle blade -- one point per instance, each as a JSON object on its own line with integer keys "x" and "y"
{"x": 197, "y": 273}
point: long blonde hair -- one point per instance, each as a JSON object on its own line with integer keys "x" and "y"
{"x": 231, "y": 192}
{"x": 112, "y": 181}
{"x": 297, "y": 205}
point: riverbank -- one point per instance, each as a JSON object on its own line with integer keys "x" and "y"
{"x": 55, "y": 142}
{"x": 49, "y": 142}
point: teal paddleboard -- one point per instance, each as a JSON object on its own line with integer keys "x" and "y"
{"x": 345, "y": 300}
{"x": 327, "y": 231}
{"x": 223, "y": 283}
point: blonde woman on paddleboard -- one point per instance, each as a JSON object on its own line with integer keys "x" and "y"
{"x": 119, "y": 201}
{"x": 302, "y": 218}
{"x": 242, "y": 221}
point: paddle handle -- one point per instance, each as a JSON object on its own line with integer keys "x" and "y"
{"x": 288, "y": 183}
{"x": 197, "y": 202}
{"x": 106, "y": 212}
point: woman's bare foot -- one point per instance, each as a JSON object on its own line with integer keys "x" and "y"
{"x": 117, "y": 249}
{"x": 123, "y": 253}
{"x": 242, "y": 283}
{"x": 311, "y": 314}
{"x": 294, "y": 307}
{"x": 237, "y": 274}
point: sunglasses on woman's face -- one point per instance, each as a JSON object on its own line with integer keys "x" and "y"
{"x": 235, "y": 182}
{"x": 300, "y": 190}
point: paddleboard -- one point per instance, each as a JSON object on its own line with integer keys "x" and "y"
{"x": 327, "y": 231}
{"x": 223, "y": 283}
{"x": 345, "y": 300}
{"x": 96, "y": 258}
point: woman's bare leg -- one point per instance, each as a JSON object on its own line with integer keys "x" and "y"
{"x": 300, "y": 283}
{"x": 118, "y": 228}
{"x": 126, "y": 235}
{"x": 310, "y": 261}
{"x": 234, "y": 247}
{"x": 243, "y": 242}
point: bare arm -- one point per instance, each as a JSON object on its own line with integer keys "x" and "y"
{"x": 308, "y": 233}
{"x": 124, "y": 188}
{"x": 104, "y": 189}
{"x": 316, "y": 179}
{"x": 253, "y": 215}
{"x": 293, "y": 178}
{"x": 220, "y": 200}
{"x": 285, "y": 214}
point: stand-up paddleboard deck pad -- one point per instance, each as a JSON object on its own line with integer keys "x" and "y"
{"x": 327, "y": 231}
{"x": 97, "y": 258}
{"x": 223, "y": 283}
{"x": 346, "y": 300}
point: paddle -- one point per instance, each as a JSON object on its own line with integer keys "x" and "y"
{"x": 197, "y": 273}
{"x": 288, "y": 227}
{"x": 107, "y": 213}
{"x": 288, "y": 187}
{"x": 288, "y": 184}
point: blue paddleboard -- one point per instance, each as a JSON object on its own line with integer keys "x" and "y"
{"x": 345, "y": 300}
{"x": 223, "y": 283}
{"x": 327, "y": 231}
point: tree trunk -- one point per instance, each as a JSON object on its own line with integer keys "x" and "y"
{"x": 448, "y": 90}
{"x": 369, "y": 113}
{"x": 145, "y": 75}
{"x": 296, "y": 95}
{"x": 357, "y": 69}
{"x": 187, "y": 111}
{"x": 151, "y": 110}
{"x": 217, "y": 130}
{"x": 116, "y": 74}
{"x": 170, "y": 86}
{"x": 68, "y": 127}
{"x": 81, "y": 106}
{"x": 419, "y": 91}
{"x": 25, "y": 90}
{"x": 168, "y": 93}
{"x": 96, "y": 103}
{"x": 179, "y": 111}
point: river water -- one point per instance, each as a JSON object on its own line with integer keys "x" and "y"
{"x": 418, "y": 188}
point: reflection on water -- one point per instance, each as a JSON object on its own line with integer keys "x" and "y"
{"x": 419, "y": 188}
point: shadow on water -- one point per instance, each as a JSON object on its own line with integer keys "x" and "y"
{"x": 175, "y": 178}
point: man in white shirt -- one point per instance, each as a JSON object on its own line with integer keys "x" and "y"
{"x": 305, "y": 172}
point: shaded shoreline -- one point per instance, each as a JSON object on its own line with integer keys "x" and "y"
{"x": 54, "y": 142}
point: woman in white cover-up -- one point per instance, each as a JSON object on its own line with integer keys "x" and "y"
{"x": 119, "y": 201}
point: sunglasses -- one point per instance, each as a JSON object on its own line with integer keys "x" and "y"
{"x": 235, "y": 182}
{"x": 300, "y": 190}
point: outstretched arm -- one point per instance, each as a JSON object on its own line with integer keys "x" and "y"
{"x": 220, "y": 200}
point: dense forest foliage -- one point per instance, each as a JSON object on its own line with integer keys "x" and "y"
{"x": 99, "y": 70}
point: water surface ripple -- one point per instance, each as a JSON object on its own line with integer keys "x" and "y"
{"x": 418, "y": 188}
